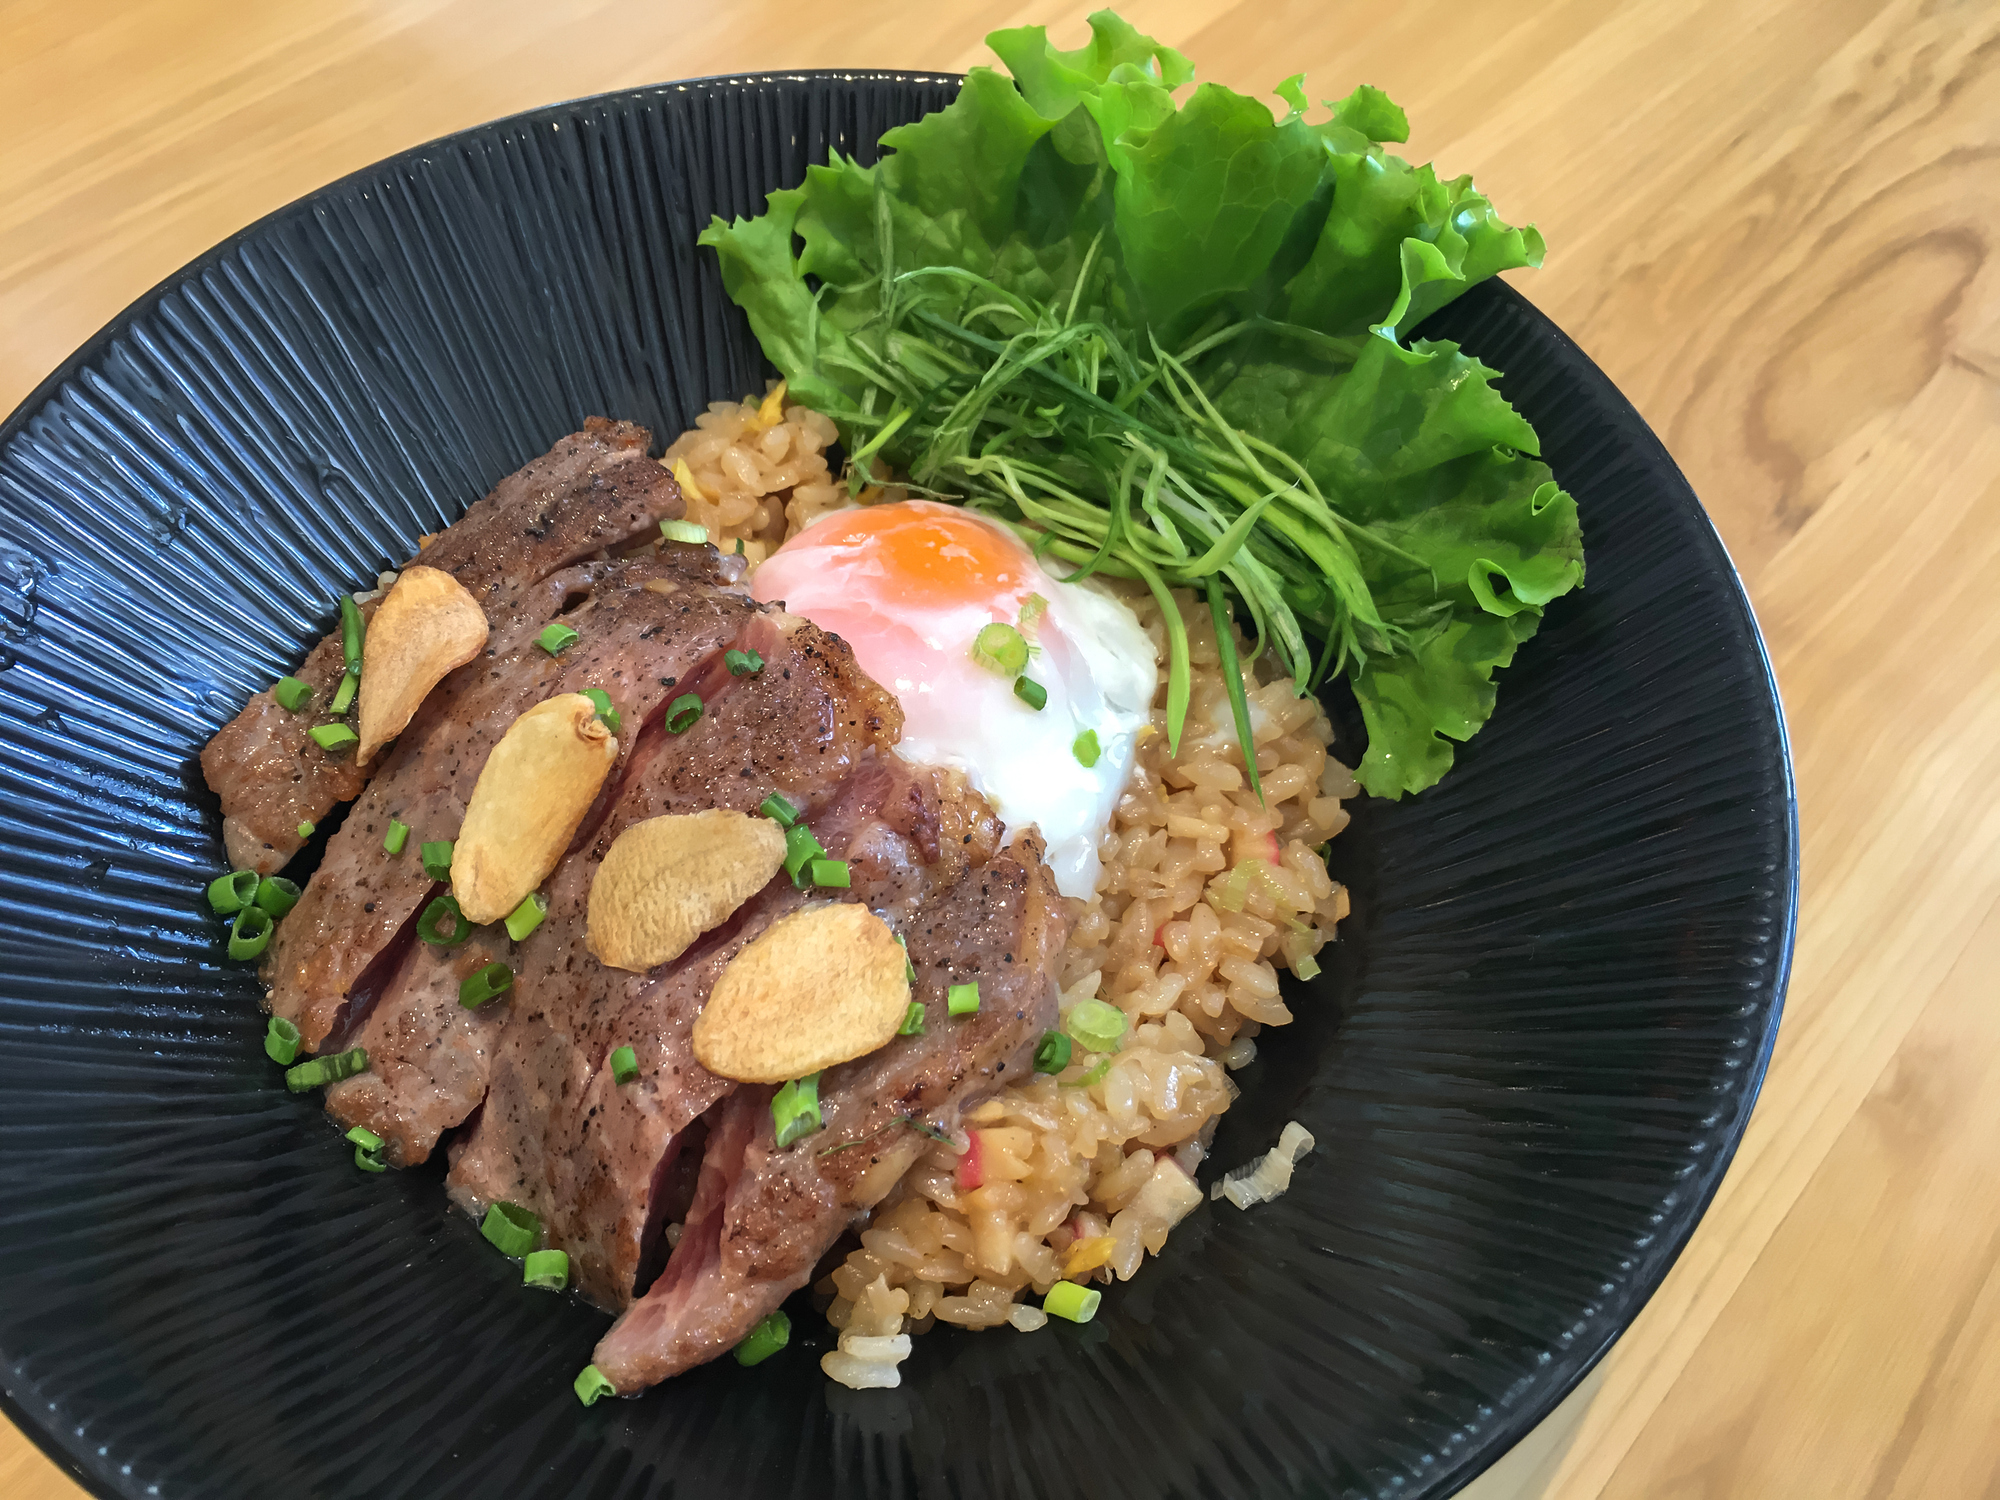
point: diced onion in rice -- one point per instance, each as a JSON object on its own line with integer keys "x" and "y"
{"x": 1270, "y": 1175}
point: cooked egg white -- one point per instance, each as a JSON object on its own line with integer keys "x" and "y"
{"x": 909, "y": 586}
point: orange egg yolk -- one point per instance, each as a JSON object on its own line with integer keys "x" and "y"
{"x": 936, "y": 555}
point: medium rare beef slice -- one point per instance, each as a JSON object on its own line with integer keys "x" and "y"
{"x": 631, "y": 638}
{"x": 559, "y": 1131}
{"x": 427, "y": 1054}
{"x": 595, "y": 489}
{"x": 1001, "y": 924}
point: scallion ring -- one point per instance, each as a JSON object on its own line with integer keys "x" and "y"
{"x": 281, "y": 1041}
{"x": 778, "y": 810}
{"x": 1085, "y": 749}
{"x": 1052, "y": 1056}
{"x": 1068, "y": 1300}
{"x": 443, "y": 925}
{"x": 277, "y": 895}
{"x": 795, "y": 1110}
{"x": 1031, "y": 693}
{"x": 743, "y": 663}
{"x": 691, "y": 532}
{"x": 683, "y": 712}
{"x": 526, "y": 917}
{"x": 831, "y": 874}
{"x": 962, "y": 999}
{"x": 1001, "y": 649}
{"x": 1096, "y": 1025}
{"x": 291, "y": 694}
{"x": 250, "y": 933}
{"x": 511, "y": 1229}
{"x": 484, "y": 984}
{"x": 546, "y": 1270}
{"x": 591, "y": 1386}
{"x": 397, "y": 836}
{"x": 555, "y": 638}
{"x": 436, "y": 856}
{"x": 765, "y": 1340}
{"x": 231, "y": 893}
{"x": 331, "y": 737}
{"x": 913, "y": 1020}
{"x": 624, "y": 1064}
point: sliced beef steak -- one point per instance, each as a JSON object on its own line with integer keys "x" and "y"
{"x": 558, "y": 1134}
{"x": 1000, "y": 923}
{"x": 594, "y": 490}
{"x": 642, "y": 623}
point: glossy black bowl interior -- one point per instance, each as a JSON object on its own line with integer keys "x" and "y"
{"x": 1527, "y": 1063}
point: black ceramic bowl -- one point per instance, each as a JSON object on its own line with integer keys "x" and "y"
{"x": 1527, "y": 1063}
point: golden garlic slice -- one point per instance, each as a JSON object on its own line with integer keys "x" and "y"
{"x": 531, "y": 794}
{"x": 427, "y": 626}
{"x": 666, "y": 881}
{"x": 819, "y": 987}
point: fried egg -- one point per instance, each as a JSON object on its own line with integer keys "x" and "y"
{"x": 909, "y": 586}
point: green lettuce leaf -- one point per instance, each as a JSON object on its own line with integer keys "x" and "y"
{"x": 1286, "y": 260}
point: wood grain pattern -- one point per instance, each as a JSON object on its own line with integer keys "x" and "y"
{"x": 1773, "y": 222}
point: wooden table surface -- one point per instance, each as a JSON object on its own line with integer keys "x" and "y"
{"x": 1773, "y": 222}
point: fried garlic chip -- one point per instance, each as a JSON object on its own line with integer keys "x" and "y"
{"x": 426, "y": 626}
{"x": 666, "y": 881}
{"x": 819, "y": 987}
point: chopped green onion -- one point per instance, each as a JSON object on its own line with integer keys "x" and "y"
{"x": 1068, "y": 1300}
{"x": 281, "y": 1041}
{"x": 913, "y": 1020}
{"x": 443, "y": 925}
{"x": 778, "y": 810}
{"x": 1031, "y": 693}
{"x": 739, "y": 548}
{"x": 511, "y": 1229}
{"x": 831, "y": 874}
{"x": 1085, "y": 749}
{"x": 324, "y": 1070}
{"x": 292, "y": 694}
{"x": 484, "y": 984}
{"x": 682, "y": 713}
{"x": 743, "y": 663}
{"x": 396, "y": 837}
{"x": 801, "y": 848}
{"x": 1096, "y": 1074}
{"x": 590, "y": 1385}
{"x": 1032, "y": 609}
{"x": 307, "y": 828}
{"x": 437, "y": 859}
{"x": 624, "y": 1064}
{"x": 367, "y": 1149}
{"x": 765, "y": 1340}
{"x": 231, "y": 893}
{"x": 277, "y": 895}
{"x": 332, "y": 737}
{"x": 556, "y": 638}
{"x": 1052, "y": 1056}
{"x": 546, "y": 1270}
{"x": 1096, "y": 1024}
{"x": 1307, "y": 967}
{"x": 795, "y": 1110}
{"x": 613, "y": 720}
{"x": 352, "y": 631}
{"x": 250, "y": 933}
{"x": 684, "y": 531}
{"x": 909, "y": 969}
{"x": 343, "y": 695}
{"x": 962, "y": 999}
{"x": 526, "y": 917}
{"x": 1000, "y": 648}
